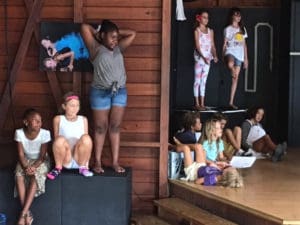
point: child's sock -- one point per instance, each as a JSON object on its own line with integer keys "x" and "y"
{"x": 54, "y": 173}
{"x": 83, "y": 170}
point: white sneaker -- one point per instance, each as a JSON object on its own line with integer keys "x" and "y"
{"x": 240, "y": 152}
{"x": 250, "y": 152}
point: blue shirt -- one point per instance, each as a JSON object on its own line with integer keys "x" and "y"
{"x": 212, "y": 149}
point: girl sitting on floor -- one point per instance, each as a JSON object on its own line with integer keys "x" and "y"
{"x": 187, "y": 141}
{"x": 255, "y": 139}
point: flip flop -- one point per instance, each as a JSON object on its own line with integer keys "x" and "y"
{"x": 29, "y": 218}
{"x": 119, "y": 169}
{"x": 98, "y": 170}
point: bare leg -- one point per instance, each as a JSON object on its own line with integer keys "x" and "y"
{"x": 200, "y": 154}
{"x": 235, "y": 76}
{"x": 115, "y": 120}
{"x": 237, "y": 132}
{"x": 188, "y": 160}
{"x": 234, "y": 138}
{"x": 62, "y": 152}
{"x": 20, "y": 182}
{"x": 29, "y": 199}
{"x": 101, "y": 125}
{"x": 202, "y": 106}
{"x": 83, "y": 150}
{"x": 197, "y": 102}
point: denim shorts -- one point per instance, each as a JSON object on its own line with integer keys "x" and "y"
{"x": 103, "y": 99}
{"x": 235, "y": 60}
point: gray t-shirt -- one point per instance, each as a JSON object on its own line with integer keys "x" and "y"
{"x": 108, "y": 68}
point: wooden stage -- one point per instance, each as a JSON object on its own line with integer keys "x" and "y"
{"x": 271, "y": 192}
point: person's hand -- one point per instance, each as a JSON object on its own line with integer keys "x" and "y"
{"x": 216, "y": 59}
{"x": 177, "y": 142}
{"x": 70, "y": 67}
{"x": 30, "y": 170}
{"x": 206, "y": 60}
{"x": 222, "y": 165}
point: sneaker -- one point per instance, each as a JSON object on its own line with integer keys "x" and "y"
{"x": 284, "y": 146}
{"x": 85, "y": 172}
{"x": 277, "y": 153}
{"x": 53, "y": 174}
{"x": 250, "y": 152}
{"x": 240, "y": 152}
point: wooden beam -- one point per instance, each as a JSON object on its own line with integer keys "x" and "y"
{"x": 164, "y": 104}
{"x": 52, "y": 78}
{"x": 18, "y": 63}
{"x": 78, "y": 18}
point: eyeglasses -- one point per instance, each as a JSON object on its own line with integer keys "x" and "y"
{"x": 237, "y": 15}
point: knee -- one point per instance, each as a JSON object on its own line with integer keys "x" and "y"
{"x": 230, "y": 65}
{"x": 86, "y": 140}
{"x": 186, "y": 149}
{"x": 237, "y": 130}
{"x": 114, "y": 127}
{"x": 101, "y": 128}
{"x": 59, "y": 142}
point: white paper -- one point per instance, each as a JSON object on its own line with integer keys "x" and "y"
{"x": 242, "y": 161}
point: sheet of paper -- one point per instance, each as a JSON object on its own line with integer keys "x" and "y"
{"x": 242, "y": 161}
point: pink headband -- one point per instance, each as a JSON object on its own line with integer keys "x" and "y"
{"x": 198, "y": 17}
{"x": 72, "y": 97}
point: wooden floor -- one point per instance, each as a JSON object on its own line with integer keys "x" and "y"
{"x": 272, "y": 190}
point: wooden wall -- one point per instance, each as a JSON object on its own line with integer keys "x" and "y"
{"x": 22, "y": 85}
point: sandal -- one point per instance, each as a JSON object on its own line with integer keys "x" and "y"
{"x": 29, "y": 218}
{"x": 22, "y": 219}
{"x": 98, "y": 169}
{"x": 233, "y": 107}
{"x": 119, "y": 169}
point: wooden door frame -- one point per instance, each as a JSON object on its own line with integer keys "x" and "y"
{"x": 164, "y": 97}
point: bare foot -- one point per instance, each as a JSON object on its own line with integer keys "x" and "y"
{"x": 118, "y": 168}
{"x": 199, "y": 180}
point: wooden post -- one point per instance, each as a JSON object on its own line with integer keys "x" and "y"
{"x": 78, "y": 18}
{"x": 164, "y": 95}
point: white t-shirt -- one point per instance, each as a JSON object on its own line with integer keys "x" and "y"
{"x": 235, "y": 42}
{"x": 32, "y": 148}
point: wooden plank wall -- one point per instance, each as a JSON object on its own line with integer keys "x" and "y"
{"x": 140, "y": 139}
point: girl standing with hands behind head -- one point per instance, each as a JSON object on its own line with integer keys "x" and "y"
{"x": 72, "y": 145}
{"x": 235, "y": 49}
{"x": 32, "y": 167}
{"x": 205, "y": 51}
{"x": 108, "y": 95}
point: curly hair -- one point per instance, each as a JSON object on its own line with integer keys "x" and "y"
{"x": 231, "y": 178}
{"x": 189, "y": 119}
